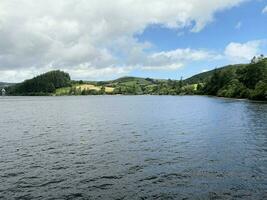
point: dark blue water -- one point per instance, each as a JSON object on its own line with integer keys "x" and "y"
{"x": 132, "y": 147}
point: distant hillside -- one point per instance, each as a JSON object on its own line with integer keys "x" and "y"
{"x": 205, "y": 76}
{"x": 123, "y": 85}
{"x": 237, "y": 81}
{"x": 44, "y": 84}
{"x": 128, "y": 80}
{"x": 3, "y": 84}
{"x": 234, "y": 81}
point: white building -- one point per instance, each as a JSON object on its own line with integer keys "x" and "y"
{"x": 3, "y": 91}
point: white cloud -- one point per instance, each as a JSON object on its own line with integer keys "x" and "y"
{"x": 38, "y": 34}
{"x": 98, "y": 73}
{"x": 242, "y": 52}
{"x": 171, "y": 67}
{"x": 184, "y": 54}
{"x": 204, "y": 70}
{"x": 20, "y": 74}
{"x": 160, "y": 61}
{"x": 77, "y": 73}
{"x": 175, "y": 59}
{"x": 264, "y": 11}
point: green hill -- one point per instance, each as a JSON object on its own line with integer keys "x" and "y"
{"x": 235, "y": 81}
{"x": 205, "y": 76}
{"x": 134, "y": 85}
{"x": 44, "y": 84}
{"x": 3, "y": 84}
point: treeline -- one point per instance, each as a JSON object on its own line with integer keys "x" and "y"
{"x": 248, "y": 81}
{"x": 169, "y": 87}
{"x": 236, "y": 81}
{"x": 44, "y": 84}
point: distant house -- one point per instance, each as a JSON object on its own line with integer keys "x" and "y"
{"x": 3, "y": 91}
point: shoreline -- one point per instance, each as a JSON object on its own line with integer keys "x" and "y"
{"x": 216, "y": 97}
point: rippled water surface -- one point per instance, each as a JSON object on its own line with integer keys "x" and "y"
{"x": 132, "y": 147}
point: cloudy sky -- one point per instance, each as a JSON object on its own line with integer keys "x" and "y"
{"x": 104, "y": 39}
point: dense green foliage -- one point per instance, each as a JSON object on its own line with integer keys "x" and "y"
{"x": 205, "y": 76}
{"x": 234, "y": 81}
{"x": 140, "y": 86}
{"x": 41, "y": 85}
{"x": 248, "y": 81}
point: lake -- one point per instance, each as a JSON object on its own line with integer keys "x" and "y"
{"x": 132, "y": 147}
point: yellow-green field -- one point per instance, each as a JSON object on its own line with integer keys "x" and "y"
{"x": 195, "y": 86}
{"x": 66, "y": 90}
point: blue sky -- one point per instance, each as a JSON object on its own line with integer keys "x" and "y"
{"x": 99, "y": 40}
{"x": 239, "y": 24}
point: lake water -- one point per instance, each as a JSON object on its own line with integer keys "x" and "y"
{"x": 132, "y": 147}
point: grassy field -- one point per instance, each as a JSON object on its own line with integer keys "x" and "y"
{"x": 87, "y": 87}
{"x": 66, "y": 90}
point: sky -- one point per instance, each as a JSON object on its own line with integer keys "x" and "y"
{"x": 104, "y": 39}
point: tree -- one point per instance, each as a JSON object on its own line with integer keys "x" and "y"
{"x": 260, "y": 92}
{"x": 213, "y": 84}
{"x": 188, "y": 89}
{"x": 43, "y": 84}
{"x": 102, "y": 90}
{"x": 252, "y": 74}
{"x": 181, "y": 82}
{"x": 233, "y": 89}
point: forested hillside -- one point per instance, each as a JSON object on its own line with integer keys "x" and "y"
{"x": 244, "y": 81}
{"x": 41, "y": 85}
{"x": 205, "y": 76}
{"x": 235, "y": 81}
{"x": 3, "y": 84}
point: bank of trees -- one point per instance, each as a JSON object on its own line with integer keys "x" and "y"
{"x": 41, "y": 85}
{"x": 249, "y": 81}
{"x": 236, "y": 81}
{"x": 154, "y": 87}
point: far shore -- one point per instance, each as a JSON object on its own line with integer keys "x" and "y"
{"x": 129, "y": 95}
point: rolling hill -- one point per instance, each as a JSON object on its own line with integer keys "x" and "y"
{"x": 205, "y": 76}
{"x": 235, "y": 81}
{"x": 3, "y": 84}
